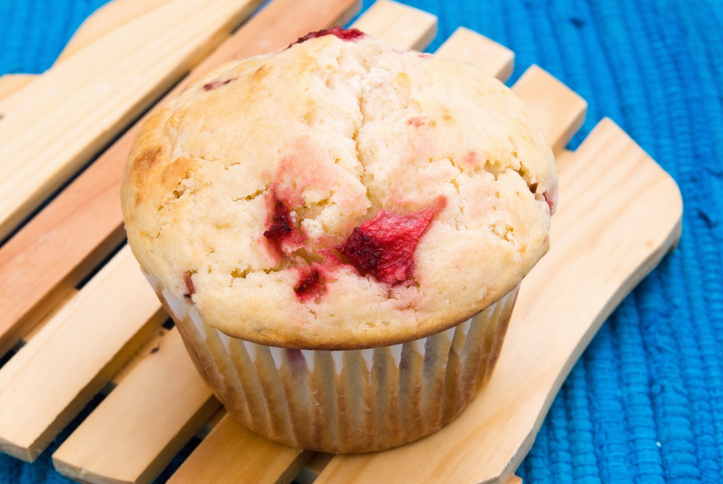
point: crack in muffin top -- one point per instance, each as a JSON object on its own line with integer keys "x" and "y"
{"x": 340, "y": 194}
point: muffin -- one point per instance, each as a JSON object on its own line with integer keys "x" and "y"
{"x": 339, "y": 230}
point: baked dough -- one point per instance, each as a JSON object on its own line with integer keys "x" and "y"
{"x": 240, "y": 194}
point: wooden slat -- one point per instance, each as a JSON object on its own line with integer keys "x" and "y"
{"x": 79, "y": 105}
{"x": 53, "y": 309}
{"x": 164, "y": 399}
{"x": 106, "y": 18}
{"x": 400, "y": 26}
{"x": 149, "y": 347}
{"x": 58, "y": 247}
{"x": 11, "y": 83}
{"x": 99, "y": 23}
{"x": 560, "y": 124}
{"x": 53, "y": 376}
{"x": 468, "y": 46}
{"x": 619, "y": 214}
{"x": 548, "y": 98}
{"x": 232, "y": 454}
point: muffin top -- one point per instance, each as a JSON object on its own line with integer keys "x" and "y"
{"x": 340, "y": 194}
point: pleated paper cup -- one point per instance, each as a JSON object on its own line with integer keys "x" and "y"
{"x": 345, "y": 401}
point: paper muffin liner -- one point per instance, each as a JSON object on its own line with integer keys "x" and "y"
{"x": 345, "y": 401}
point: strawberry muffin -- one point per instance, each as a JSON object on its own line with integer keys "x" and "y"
{"x": 339, "y": 230}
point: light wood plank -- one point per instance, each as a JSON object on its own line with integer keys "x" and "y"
{"x": 79, "y": 105}
{"x": 152, "y": 345}
{"x": 398, "y": 25}
{"x": 487, "y": 55}
{"x": 232, "y": 454}
{"x": 110, "y": 16}
{"x": 164, "y": 399}
{"x": 558, "y": 109}
{"x": 55, "y": 374}
{"x": 11, "y": 83}
{"x": 619, "y": 214}
{"x": 52, "y": 311}
{"x": 79, "y": 227}
{"x": 98, "y": 24}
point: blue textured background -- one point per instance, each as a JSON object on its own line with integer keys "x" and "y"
{"x": 645, "y": 402}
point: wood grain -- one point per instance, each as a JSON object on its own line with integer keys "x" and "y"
{"x": 618, "y": 216}
{"x": 232, "y": 454}
{"x": 80, "y": 226}
{"x": 310, "y": 472}
{"x": 80, "y": 104}
{"x": 143, "y": 423}
{"x": 54, "y": 375}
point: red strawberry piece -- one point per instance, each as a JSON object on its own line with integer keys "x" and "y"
{"x": 280, "y": 227}
{"x": 344, "y": 34}
{"x": 310, "y": 285}
{"x": 384, "y": 245}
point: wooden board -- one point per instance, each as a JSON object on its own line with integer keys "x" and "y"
{"x": 230, "y": 453}
{"x": 79, "y": 105}
{"x": 108, "y": 17}
{"x": 41, "y": 263}
{"x": 547, "y": 99}
{"x": 160, "y": 405}
{"x": 12, "y": 83}
{"x": 52, "y": 377}
{"x": 490, "y": 443}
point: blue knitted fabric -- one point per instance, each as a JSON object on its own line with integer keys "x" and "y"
{"x": 645, "y": 402}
